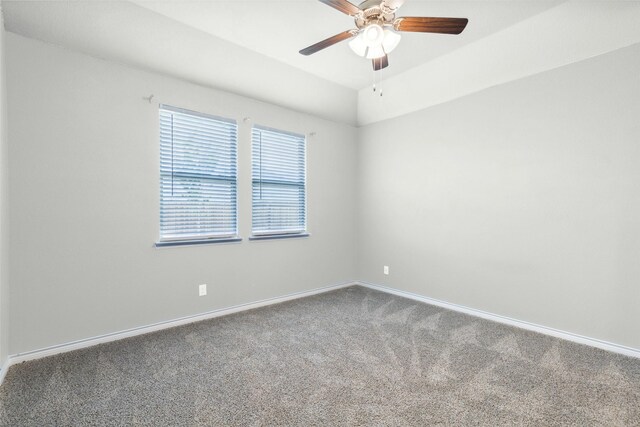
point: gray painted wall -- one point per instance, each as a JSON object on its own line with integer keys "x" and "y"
{"x": 522, "y": 200}
{"x": 4, "y": 207}
{"x": 84, "y": 202}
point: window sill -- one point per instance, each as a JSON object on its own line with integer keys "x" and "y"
{"x": 197, "y": 242}
{"x": 278, "y": 236}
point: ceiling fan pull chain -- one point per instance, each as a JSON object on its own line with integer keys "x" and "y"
{"x": 378, "y": 80}
{"x": 374, "y": 81}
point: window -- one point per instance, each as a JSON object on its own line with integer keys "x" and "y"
{"x": 198, "y": 175}
{"x": 279, "y": 182}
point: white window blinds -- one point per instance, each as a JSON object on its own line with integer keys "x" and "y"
{"x": 198, "y": 175}
{"x": 279, "y": 182}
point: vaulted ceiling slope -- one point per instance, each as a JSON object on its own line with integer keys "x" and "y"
{"x": 250, "y": 47}
{"x": 124, "y": 32}
{"x": 570, "y": 32}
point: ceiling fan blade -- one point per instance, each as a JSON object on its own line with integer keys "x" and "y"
{"x": 328, "y": 42}
{"x": 430, "y": 25}
{"x": 380, "y": 63}
{"x": 343, "y": 6}
{"x": 393, "y": 4}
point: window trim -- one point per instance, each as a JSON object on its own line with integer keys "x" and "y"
{"x": 196, "y": 242}
{"x": 278, "y": 236}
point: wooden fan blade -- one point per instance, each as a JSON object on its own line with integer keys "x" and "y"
{"x": 343, "y": 6}
{"x": 328, "y": 42}
{"x": 380, "y": 63}
{"x": 430, "y": 25}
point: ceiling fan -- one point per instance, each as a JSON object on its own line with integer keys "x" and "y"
{"x": 377, "y": 28}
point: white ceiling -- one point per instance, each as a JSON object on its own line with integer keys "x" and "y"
{"x": 250, "y": 47}
{"x": 280, "y": 28}
{"x": 570, "y": 32}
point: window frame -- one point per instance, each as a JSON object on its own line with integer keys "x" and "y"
{"x": 195, "y": 239}
{"x": 281, "y": 234}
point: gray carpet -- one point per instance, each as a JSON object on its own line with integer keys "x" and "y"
{"x": 349, "y": 357}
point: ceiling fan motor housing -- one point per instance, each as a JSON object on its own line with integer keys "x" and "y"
{"x": 374, "y": 15}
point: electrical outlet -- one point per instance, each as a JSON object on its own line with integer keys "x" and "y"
{"x": 202, "y": 290}
{"x": 386, "y": 270}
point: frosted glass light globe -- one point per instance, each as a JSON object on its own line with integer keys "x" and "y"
{"x": 391, "y": 40}
{"x": 357, "y": 45}
{"x": 375, "y": 52}
{"x": 373, "y": 35}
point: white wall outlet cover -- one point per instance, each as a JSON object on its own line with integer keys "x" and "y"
{"x": 386, "y": 269}
{"x": 202, "y": 290}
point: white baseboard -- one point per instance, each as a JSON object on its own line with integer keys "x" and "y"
{"x": 89, "y": 342}
{"x": 593, "y": 342}
{"x": 4, "y": 369}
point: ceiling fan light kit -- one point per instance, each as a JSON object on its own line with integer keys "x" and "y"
{"x": 377, "y": 32}
{"x": 374, "y": 42}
